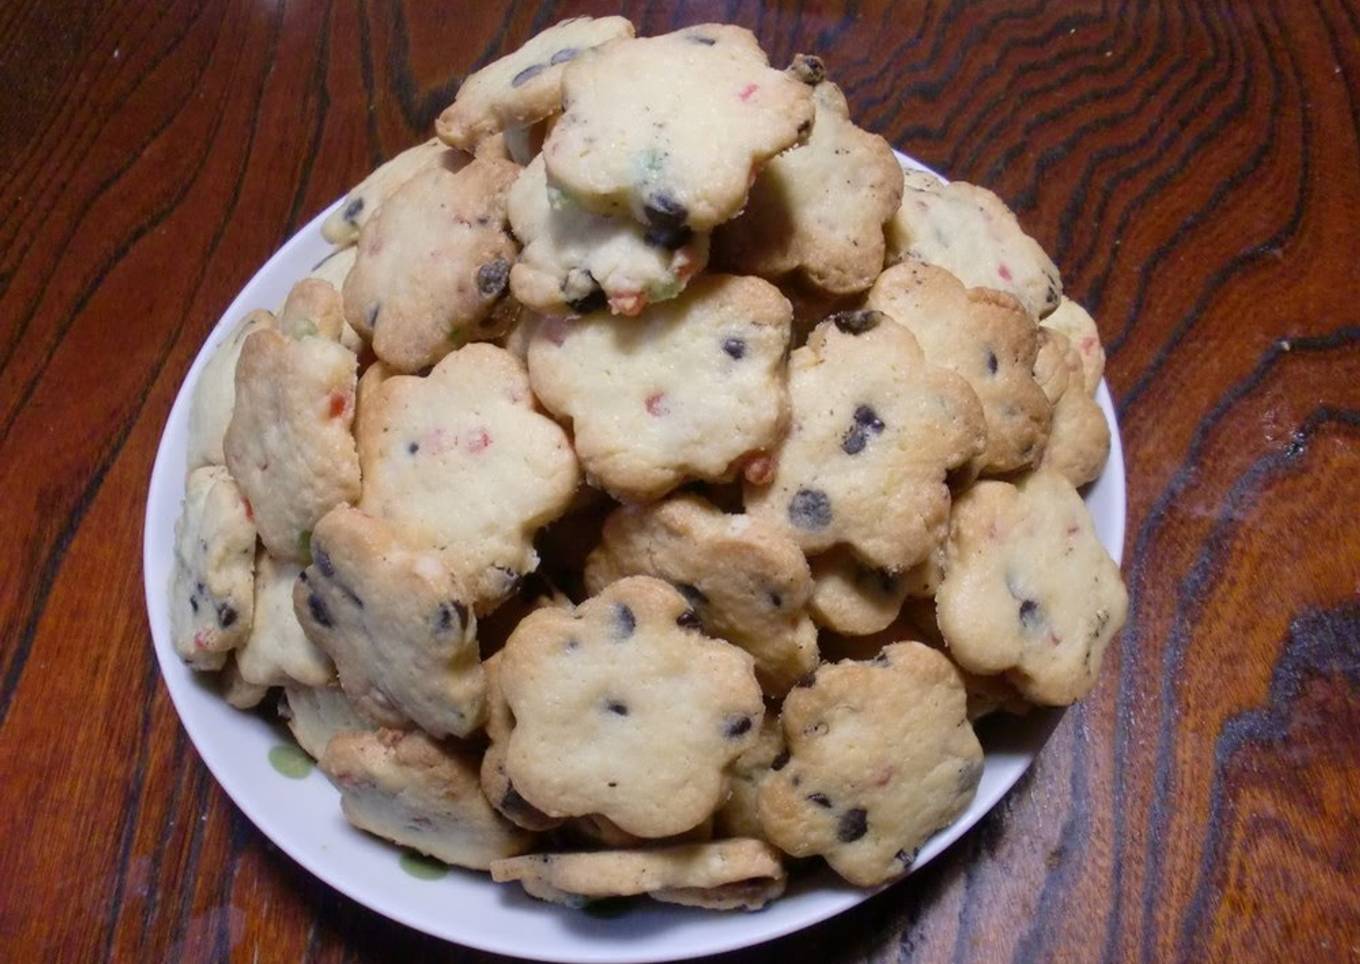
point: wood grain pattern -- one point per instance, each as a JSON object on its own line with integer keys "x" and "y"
{"x": 1193, "y": 168}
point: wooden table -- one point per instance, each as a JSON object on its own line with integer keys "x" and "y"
{"x": 1193, "y": 167}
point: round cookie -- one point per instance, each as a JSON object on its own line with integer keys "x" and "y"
{"x": 1028, "y": 589}
{"x": 525, "y": 86}
{"x": 669, "y": 129}
{"x": 461, "y": 462}
{"x": 747, "y": 581}
{"x": 875, "y": 428}
{"x": 726, "y": 875}
{"x": 433, "y": 264}
{"x": 289, "y": 444}
{"x": 406, "y": 788}
{"x": 395, "y": 624}
{"x": 212, "y": 590}
{"x": 214, "y": 395}
{"x": 1079, "y": 438}
{"x": 987, "y": 338}
{"x": 969, "y": 231}
{"x": 278, "y": 652}
{"x": 342, "y": 225}
{"x": 880, "y": 756}
{"x": 575, "y": 261}
{"x": 688, "y": 390}
{"x": 1073, "y": 321}
{"x": 623, "y": 708}
{"x": 819, "y": 209}
{"x": 314, "y": 714}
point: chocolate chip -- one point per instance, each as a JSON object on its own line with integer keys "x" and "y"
{"x": 323, "y": 562}
{"x": 991, "y": 362}
{"x": 448, "y": 612}
{"x": 867, "y": 417}
{"x": 353, "y": 209}
{"x": 857, "y": 322}
{"x": 853, "y": 825}
{"x": 821, "y": 799}
{"x": 413, "y": 448}
{"x": 582, "y": 293}
{"x": 527, "y": 74}
{"x": 735, "y": 347}
{"x": 612, "y": 784}
{"x": 226, "y": 615}
{"x": 563, "y": 55}
{"x": 737, "y": 726}
{"x": 808, "y": 68}
{"x": 810, "y": 509}
{"x": 672, "y": 237}
{"x": 688, "y": 619}
{"x": 320, "y": 615}
{"x": 492, "y": 278}
{"x": 854, "y": 441}
{"x": 664, "y": 211}
{"x": 692, "y": 593}
{"x": 698, "y": 38}
{"x": 373, "y": 313}
{"x": 615, "y": 707}
{"x": 573, "y": 644}
{"x": 193, "y": 603}
{"x": 781, "y": 761}
{"x": 1030, "y": 617}
{"x": 776, "y": 600}
{"x": 625, "y": 619}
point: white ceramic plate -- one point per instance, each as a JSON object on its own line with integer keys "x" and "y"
{"x": 301, "y": 812}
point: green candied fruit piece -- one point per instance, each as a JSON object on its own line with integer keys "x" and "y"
{"x": 303, "y": 328}
{"x": 305, "y": 544}
{"x": 422, "y": 867}
{"x": 664, "y": 290}
{"x": 290, "y": 761}
{"x": 558, "y": 199}
{"x": 649, "y": 163}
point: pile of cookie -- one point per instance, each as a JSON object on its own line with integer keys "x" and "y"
{"x": 655, "y": 485}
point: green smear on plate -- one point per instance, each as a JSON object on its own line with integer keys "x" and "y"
{"x": 422, "y": 867}
{"x": 290, "y": 761}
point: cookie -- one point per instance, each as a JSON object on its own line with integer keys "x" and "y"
{"x": 289, "y": 444}
{"x": 212, "y": 590}
{"x": 1029, "y": 591}
{"x": 969, "y": 231}
{"x": 1073, "y": 321}
{"x": 342, "y": 226}
{"x": 601, "y": 833}
{"x": 576, "y": 261}
{"x": 433, "y": 264}
{"x": 875, "y": 428}
{"x": 669, "y": 129}
{"x": 314, "y": 714}
{"x": 850, "y": 597}
{"x": 495, "y": 780}
{"x": 236, "y": 690}
{"x": 819, "y": 209}
{"x": 313, "y": 307}
{"x": 745, "y": 579}
{"x": 987, "y": 338}
{"x": 1079, "y": 437}
{"x": 408, "y": 789}
{"x": 461, "y": 462}
{"x": 525, "y": 86}
{"x": 215, "y": 393}
{"x": 740, "y": 815}
{"x": 624, "y": 708}
{"x": 278, "y": 652}
{"x": 690, "y": 389}
{"x": 989, "y": 695}
{"x": 724, "y": 875}
{"x": 396, "y": 625}
{"x": 880, "y": 756}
